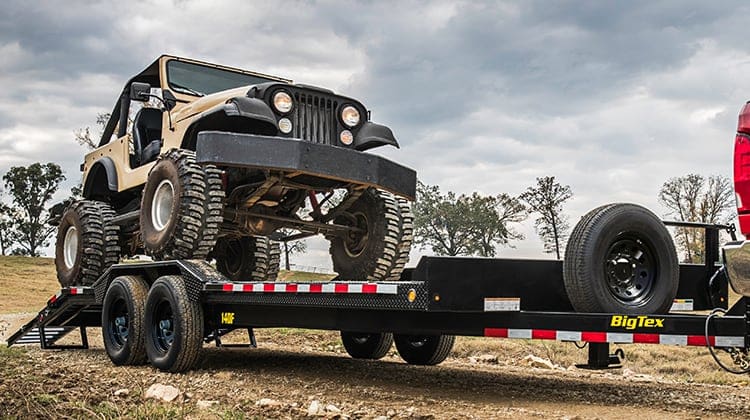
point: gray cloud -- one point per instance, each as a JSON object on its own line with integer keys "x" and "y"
{"x": 611, "y": 97}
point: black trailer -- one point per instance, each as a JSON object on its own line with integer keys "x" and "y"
{"x": 189, "y": 304}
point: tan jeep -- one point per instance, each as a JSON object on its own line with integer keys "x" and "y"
{"x": 201, "y": 161}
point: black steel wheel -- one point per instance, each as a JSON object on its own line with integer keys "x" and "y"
{"x": 249, "y": 258}
{"x": 424, "y": 349}
{"x": 366, "y": 345}
{"x": 87, "y": 243}
{"x": 122, "y": 320}
{"x": 174, "y": 326}
{"x": 181, "y": 207}
{"x": 378, "y": 246}
{"x": 621, "y": 258}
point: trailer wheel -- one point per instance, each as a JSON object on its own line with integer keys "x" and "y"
{"x": 367, "y": 345}
{"x": 424, "y": 349}
{"x": 181, "y": 207}
{"x": 122, "y": 320}
{"x": 87, "y": 243}
{"x": 379, "y": 248}
{"x": 621, "y": 258}
{"x": 248, "y": 258}
{"x": 174, "y": 326}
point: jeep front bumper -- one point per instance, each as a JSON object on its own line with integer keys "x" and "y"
{"x": 299, "y": 156}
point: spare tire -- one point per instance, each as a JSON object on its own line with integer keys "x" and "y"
{"x": 621, "y": 258}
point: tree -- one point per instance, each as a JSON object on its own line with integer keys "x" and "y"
{"x": 31, "y": 188}
{"x": 464, "y": 225}
{"x": 83, "y": 135}
{"x": 547, "y": 198}
{"x": 490, "y": 217}
{"x": 6, "y": 229}
{"x": 291, "y": 247}
{"x": 695, "y": 198}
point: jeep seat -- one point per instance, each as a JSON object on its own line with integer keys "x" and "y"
{"x": 147, "y": 135}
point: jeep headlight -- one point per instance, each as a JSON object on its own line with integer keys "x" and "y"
{"x": 282, "y": 101}
{"x": 350, "y": 116}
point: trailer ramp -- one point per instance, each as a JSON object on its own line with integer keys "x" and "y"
{"x": 73, "y": 308}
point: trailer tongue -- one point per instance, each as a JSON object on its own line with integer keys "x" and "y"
{"x": 439, "y": 299}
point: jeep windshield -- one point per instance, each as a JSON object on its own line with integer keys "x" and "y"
{"x": 198, "y": 80}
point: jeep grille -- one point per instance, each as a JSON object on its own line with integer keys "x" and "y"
{"x": 314, "y": 118}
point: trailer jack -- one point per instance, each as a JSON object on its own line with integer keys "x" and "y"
{"x": 601, "y": 358}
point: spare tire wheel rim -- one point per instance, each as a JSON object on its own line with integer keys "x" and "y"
{"x": 161, "y": 205}
{"x": 630, "y": 269}
{"x": 70, "y": 247}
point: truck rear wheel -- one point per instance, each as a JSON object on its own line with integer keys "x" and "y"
{"x": 424, "y": 349}
{"x": 174, "y": 326}
{"x": 367, "y": 345}
{"x": 621, "y": 258}
{"x": 181, "y": 207}
{"x": 249, "y": 258}
{"x": 122, "y": 320}
{"x": 379, "y": 248}
{"x": 87, "y": 243}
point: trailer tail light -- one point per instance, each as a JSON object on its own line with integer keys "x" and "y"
{"x": 742, "y": 180}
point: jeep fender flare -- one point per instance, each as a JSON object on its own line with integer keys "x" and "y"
{"x": 238, "y": 115}
{"x": 101, "y": 179}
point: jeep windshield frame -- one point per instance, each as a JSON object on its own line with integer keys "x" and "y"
{"x": 200, "y": 80}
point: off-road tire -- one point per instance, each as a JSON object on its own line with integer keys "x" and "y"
{"x": 637, "y": 238}
{"x": 372, "y": 346}
{"x": 248, "y": 258}
{"x": 196, "y": 211}
{"x": 377, "y": 255}
{"x": 168, "y": 300}
{"x": 424, "y": 350}
{"x": 404, "y": 244}
{"x": 125, "y": 302}
{"x": 98, "y": 244}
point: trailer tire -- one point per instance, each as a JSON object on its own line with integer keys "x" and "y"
{"x": 123, "y": 311}
{"x": 424, "y": 349}
{"x": 367, "y": 345}
{"x": 621, "y": 258}
{"x": 174, "y": 326}
{"x": 377, "y": 253}
{"x": 181, "y": 207}
{"x": 87, "y": 243}
{"x": 248, "y": 258}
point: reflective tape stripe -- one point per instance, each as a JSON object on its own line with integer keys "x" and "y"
{"x": 328, "y": 288}
{"x": 616, "y": 337}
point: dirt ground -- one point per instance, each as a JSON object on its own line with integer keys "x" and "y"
{"x": 293, "y": 370}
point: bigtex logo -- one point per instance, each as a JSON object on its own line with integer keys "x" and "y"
{"x": 631, "y": 323}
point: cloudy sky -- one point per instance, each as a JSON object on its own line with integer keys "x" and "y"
{"x": 612, "y": 98}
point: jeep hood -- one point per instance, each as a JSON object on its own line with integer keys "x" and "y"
{"x": 204, "y": 103}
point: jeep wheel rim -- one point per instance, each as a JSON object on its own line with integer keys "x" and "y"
{"x": 161, "y": 205}
{"x": 70, "y": 247}
{"x": 356, "y": 241}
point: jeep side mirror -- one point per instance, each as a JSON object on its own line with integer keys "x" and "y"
{"x": 139, "y": 91}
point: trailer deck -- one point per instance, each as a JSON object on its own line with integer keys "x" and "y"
{"x": 442, "y": 296}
